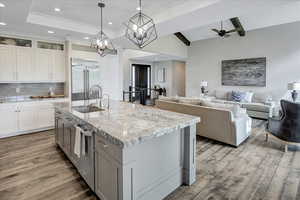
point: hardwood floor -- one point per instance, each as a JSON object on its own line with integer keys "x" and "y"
{"x": 31, "y": 167}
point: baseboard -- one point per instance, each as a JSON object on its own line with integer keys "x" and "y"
{"x": 26, "y": 132}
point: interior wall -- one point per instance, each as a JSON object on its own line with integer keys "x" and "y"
{"x": 178, "y": 79}
{"x": 175, "y": 77}
{"x": 279, "y": 44}
{"x": 126, "y": 62}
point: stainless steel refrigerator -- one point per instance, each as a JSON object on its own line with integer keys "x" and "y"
{"x": 85, "y": 74}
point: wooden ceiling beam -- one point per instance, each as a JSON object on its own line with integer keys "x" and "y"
{"x": 183, "y": 39}
{"x": 238, "y": 26}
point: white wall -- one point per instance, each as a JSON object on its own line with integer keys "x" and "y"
{"x": 126, "y": 63}
{"x": 169, "y": 45}
{"x": 280, "y": 44}
{"x": 175, "y": 77}
{"x": 178, "y": 79}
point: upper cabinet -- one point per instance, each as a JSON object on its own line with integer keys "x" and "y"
{"x": 7, "y": 63}
{"x": 59, "y": 63}
{"x": 44, "y": 63}
{"x": 50, "y": 65}
{"x": 25, "y": 64}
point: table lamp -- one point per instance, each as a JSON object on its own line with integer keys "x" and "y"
{"x": 203, "y": 85}
{"x": 294, "y": 87}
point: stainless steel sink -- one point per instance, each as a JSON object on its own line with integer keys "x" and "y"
{"x": 87, "y": 109}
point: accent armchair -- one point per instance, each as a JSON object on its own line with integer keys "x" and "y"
{"x": 287, "y": 126}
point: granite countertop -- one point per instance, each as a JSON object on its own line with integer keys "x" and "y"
{"x": 127, "y": 124}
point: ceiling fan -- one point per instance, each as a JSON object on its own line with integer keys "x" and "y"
{"x": 222, "y": 32}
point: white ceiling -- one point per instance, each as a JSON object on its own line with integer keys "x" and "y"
{"x": 195, "y": 18}
{"x": 260, "y": 19}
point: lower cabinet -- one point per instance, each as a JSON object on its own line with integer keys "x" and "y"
{"x": 9, "y": 121}
{"x": 45, "y": 117}
{"x": 106, "y": 173}
{"x": 28, "y": 119}
{"x": 65, "y": 134}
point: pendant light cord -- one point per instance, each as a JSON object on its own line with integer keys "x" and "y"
{"x": 140, "y": 7}
{"x": 101, "y": 20}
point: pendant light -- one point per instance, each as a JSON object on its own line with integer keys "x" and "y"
{"x": 140, "y": 29}
{"x": 101, "y": 42}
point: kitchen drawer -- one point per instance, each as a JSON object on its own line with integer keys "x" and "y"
{"x": 101, "y": 144}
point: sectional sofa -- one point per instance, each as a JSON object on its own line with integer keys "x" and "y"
{"x": 221, "y": 123}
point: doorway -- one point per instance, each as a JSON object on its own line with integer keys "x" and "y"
{"x": 141, "y": 79}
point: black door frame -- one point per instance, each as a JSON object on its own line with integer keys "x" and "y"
{"x": 150, "y": 70}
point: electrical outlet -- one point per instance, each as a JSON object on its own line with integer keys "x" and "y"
{"x": 18, "y": 90}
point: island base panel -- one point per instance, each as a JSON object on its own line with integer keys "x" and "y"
{"x": 154, "y": 169}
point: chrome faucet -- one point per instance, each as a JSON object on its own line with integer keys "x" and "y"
{"x": 108, "y": 100}
{"x": 99, "y": 93}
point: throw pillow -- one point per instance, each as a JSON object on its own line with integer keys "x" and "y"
{"x": 220, "y": 94}
{"x": 238, "y": 96}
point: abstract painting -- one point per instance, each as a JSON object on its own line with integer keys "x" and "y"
{"x": 244, "y": 72}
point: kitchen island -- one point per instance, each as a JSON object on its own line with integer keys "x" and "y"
{"x": 129, "y": 152}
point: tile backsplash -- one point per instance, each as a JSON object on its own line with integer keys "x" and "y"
{"x": 30, "y": 89}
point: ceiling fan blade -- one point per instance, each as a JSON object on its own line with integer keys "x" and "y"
{"x": 231, "y": 31}
{"x": 215, "y": 30}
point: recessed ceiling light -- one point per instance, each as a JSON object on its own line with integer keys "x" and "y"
{"x": 57, "y": 9}
{"x": 2, "y": 5}
{"x": 138, "y": 8}
{"x": 2, "y": 23}
{"x": 51, "y": 32}
{"x": 86, "y": 38}
{"x": 110, "y": 23}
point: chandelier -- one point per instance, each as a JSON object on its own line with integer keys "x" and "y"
{"x": 140, "y": 29}
{"x": 101, "y": 42}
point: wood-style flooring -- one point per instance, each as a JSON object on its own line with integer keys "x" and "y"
{"x": 31, "y": 167}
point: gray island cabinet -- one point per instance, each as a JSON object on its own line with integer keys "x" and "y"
{"x": 129, "y": 152}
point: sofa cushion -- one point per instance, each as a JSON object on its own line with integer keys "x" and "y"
{"x": 190, "y": 101}
{"x": 249, "y": 96}
{"x": 256, "y": 107}
{"x": 173, "y": 99}
{"x": 221, "y": 94}
{"x": 235, "y": 109}
{"x": 260, "y": 97}
{"x": 226, "y": 102}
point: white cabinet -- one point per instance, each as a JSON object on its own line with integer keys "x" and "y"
{"x": 28, "y": 119}
{"x": 7, "y": 63}
{"x": 45, "y": 117}
{"x": 31, "y": 64}
{"x": 8, "y": 121}
{"x": 50, "y": 65}
{"x": 44, "y": 62}
{"x": 58, "y": 66}
{"x": 25, "y": 64}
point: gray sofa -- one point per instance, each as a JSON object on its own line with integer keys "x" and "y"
{"x": 216, "y": 123}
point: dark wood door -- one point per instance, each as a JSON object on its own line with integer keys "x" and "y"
{"x": 142, "y": 78}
